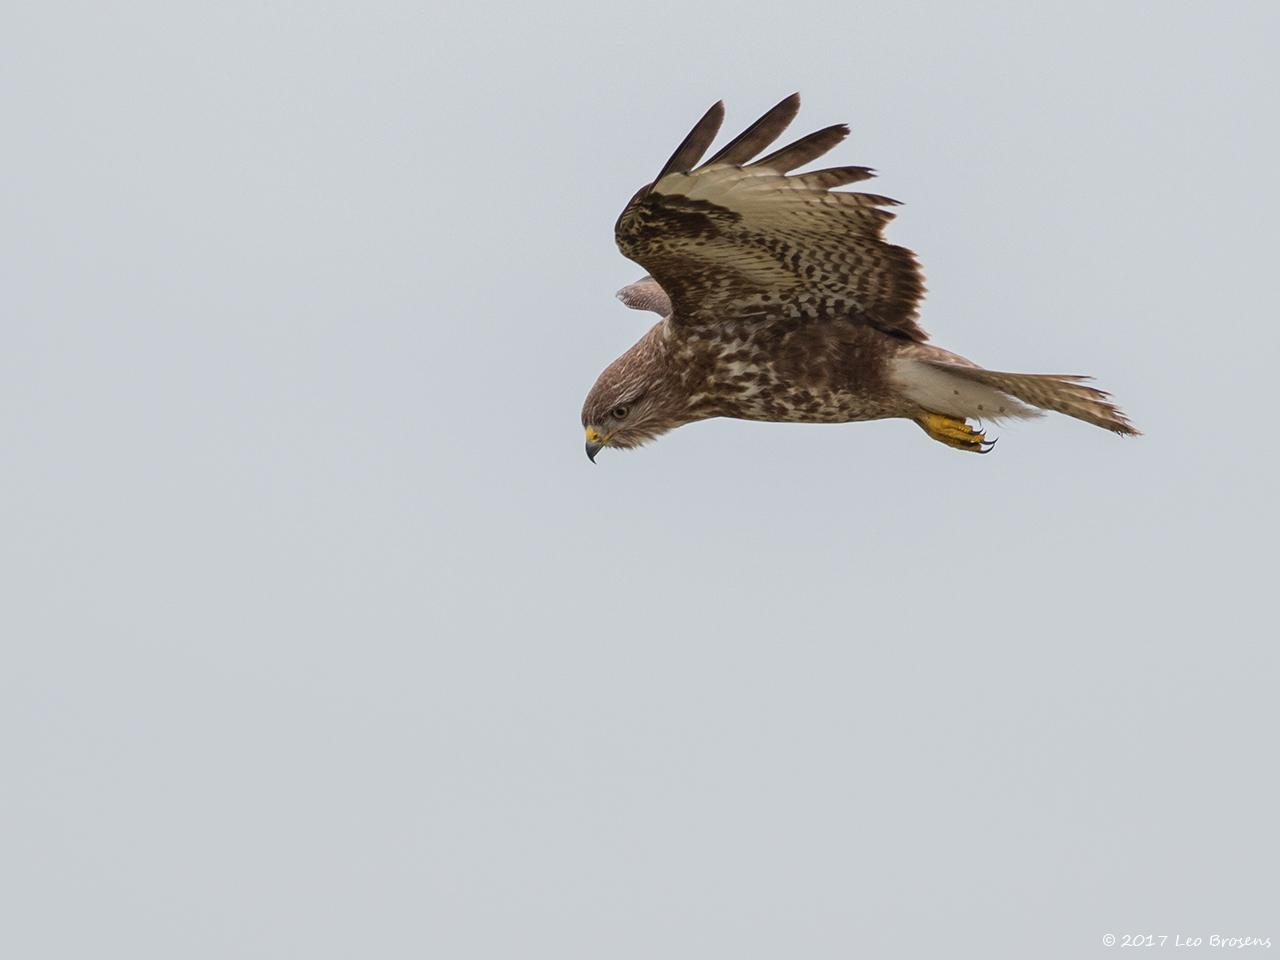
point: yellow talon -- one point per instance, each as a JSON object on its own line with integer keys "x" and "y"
{"x": 955, "y": 433}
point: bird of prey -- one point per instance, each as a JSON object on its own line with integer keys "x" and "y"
{"x": 781, "y": 300}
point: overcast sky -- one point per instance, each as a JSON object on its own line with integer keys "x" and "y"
{"x": 322, "y": 638}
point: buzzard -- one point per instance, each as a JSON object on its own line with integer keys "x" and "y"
{"x": 781, "y": 300}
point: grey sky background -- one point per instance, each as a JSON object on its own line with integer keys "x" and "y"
{"x": 323, "y": 639}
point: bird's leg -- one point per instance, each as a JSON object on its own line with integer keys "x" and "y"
{"x": 955, "y": 433}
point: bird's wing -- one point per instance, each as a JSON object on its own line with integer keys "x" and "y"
{"x": 733, "y": 239}
{"x": 646, "y": 294}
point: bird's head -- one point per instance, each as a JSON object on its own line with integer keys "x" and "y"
{"x": 634, "y": 400}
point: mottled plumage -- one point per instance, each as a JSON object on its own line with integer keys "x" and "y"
{"x": 782, "y": 301}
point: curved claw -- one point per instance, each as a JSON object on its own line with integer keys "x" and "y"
{"x": 955, "y": 432}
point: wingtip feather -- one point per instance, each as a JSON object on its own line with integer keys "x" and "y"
{"x": 804, "y": 150}
{"x": 695, "y": 144}
{"x": 760, "y": 134}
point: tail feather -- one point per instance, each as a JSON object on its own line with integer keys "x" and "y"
{"x": 1061, "y": 392}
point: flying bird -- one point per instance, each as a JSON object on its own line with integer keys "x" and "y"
{"x": 781, "y": 300}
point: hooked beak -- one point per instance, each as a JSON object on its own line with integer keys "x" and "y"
{"x": 594, "y": 443}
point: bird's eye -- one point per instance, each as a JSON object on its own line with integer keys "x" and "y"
{"x": 620, "y": 412}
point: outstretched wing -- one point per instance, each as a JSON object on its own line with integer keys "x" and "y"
{"x": 737, "y": 240}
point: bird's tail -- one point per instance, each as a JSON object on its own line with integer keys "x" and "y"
{"x": 1061, "y": 392}
{"x": 960, "y": 389}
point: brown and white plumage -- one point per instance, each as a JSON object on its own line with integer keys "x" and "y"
{"x": 782, "y": 300}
